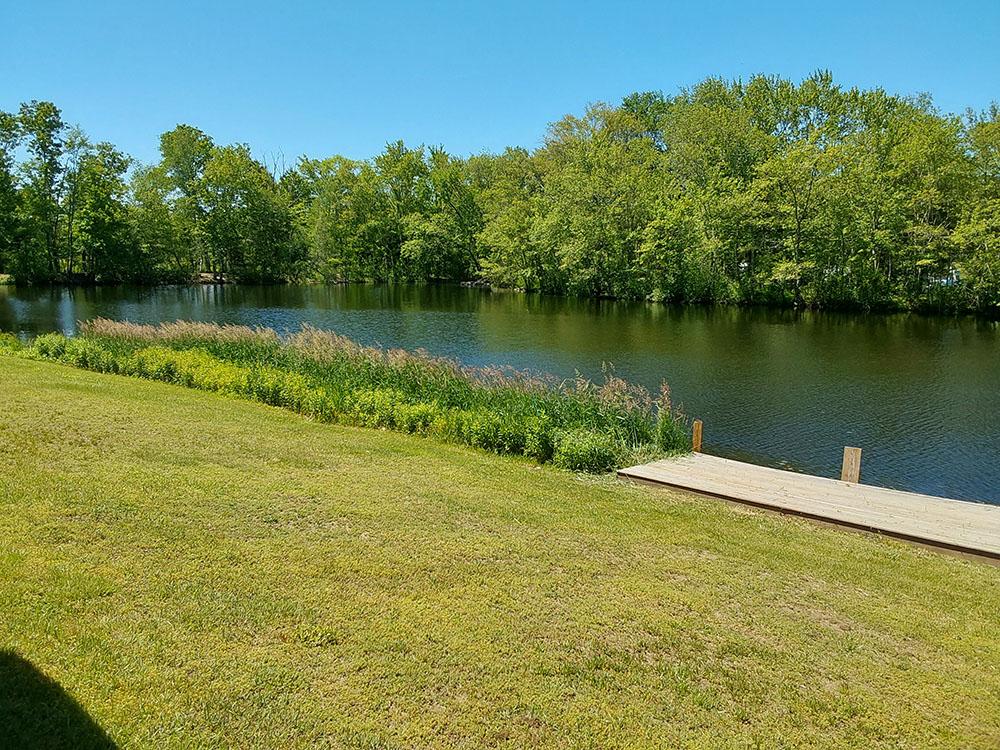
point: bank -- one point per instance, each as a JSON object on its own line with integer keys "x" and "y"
{"x": 191, "y": 570}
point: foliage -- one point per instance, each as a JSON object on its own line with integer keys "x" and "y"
{"x": 10, "y": 343}
{"x": 582, "y": 450}
{"x": 579, "y": 425}
{"x": 758, "y": 192}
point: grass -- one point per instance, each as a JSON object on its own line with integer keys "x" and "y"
{"x": 575, "y": 424}
{"x": 192, "y": 570}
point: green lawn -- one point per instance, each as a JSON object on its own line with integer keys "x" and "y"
{"x": 178, "y": 569}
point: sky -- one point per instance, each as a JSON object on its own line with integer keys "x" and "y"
{"x": 322, "y": 78}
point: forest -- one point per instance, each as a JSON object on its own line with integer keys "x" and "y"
{"x": 764, "y": 191}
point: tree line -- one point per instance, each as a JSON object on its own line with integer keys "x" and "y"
{"x": 758, "y": 192}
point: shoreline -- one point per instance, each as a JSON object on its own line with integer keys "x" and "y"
{"x": 924, "y": 311}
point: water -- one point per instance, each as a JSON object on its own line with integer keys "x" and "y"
{"x": 920, "y": 395}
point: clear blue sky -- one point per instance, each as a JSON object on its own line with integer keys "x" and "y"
{"x": 319, "y": 78}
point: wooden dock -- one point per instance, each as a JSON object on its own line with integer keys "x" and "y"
{"x": 972, "y": 528}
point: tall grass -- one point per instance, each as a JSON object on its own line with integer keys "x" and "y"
{"x": 577, "y": 424}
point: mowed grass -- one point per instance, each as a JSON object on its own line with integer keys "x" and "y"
{"x": 197, "y": 571}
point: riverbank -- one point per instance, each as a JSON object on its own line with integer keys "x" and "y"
{"x": 780, "y": 388}
{"x": 218, "y": 279}
{"x": 209, "y": 570}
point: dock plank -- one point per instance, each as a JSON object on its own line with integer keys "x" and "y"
{"x": 954, "y": 524}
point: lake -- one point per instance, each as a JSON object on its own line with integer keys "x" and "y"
{"x": 920, "y": 395}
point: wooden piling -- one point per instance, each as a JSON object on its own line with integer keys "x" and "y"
{"x": 851, "y": 471}
{"x": 696, "y": 436}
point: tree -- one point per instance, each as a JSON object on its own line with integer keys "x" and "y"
{"x": 441, "y": 239}
{"x": 402, "y": 178}
{"x": 977, "y": 236}
{"x": 155, "y": 227}
{"x": 43, "y": 128}
{"x": 9, "y": 219}
{"x": 107, "y": 248}
{"x": 185, "y": 153}
{"x": 249, "y": 226}
{"x": 509, "y": 200}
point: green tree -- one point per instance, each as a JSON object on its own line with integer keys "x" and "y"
{"x": 107, "y": 248}
{"x": 977, "y": 236}
{"x": 9, "y": 219}
{"x": 249, "y": 225}
{"x": 156, "y": 229}
{"x": 441, "y": 239}
{"x": 402, "y": 177}
{"x": 38, "y": 255}
{"x": 185, "y": 152}
{"x": 508, "y": 246}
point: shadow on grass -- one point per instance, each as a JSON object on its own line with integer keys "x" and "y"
{"x": 35, "y": 712}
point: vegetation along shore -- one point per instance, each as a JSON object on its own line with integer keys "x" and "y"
{"x": 762, "y": 191}
{"x": 576, "y": 424}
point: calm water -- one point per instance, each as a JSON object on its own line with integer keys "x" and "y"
{"x": 920, "y": 395}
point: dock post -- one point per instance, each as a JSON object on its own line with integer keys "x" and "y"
{"x": 696, "y": 436}
{"x": 851, "y": 471}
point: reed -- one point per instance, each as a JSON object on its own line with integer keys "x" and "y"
{"x": 575, "y": 423}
